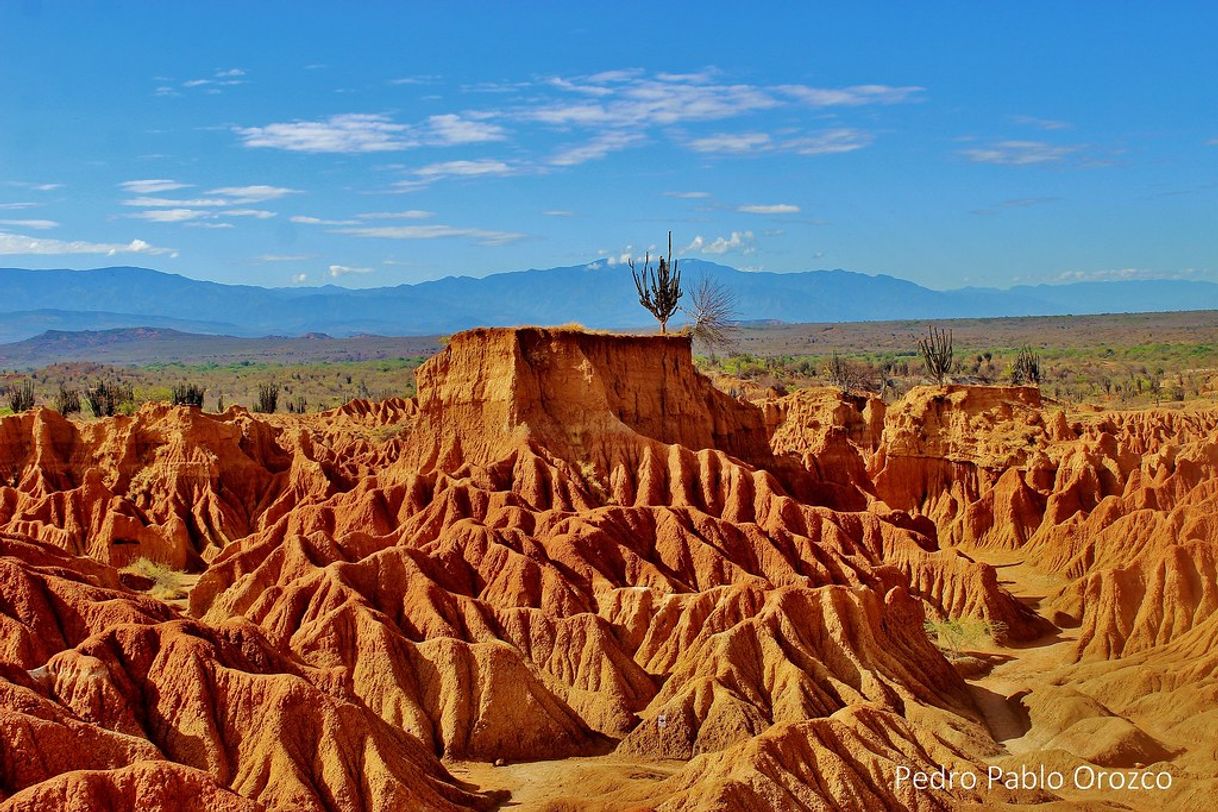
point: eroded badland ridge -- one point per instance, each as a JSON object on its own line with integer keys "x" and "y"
{"x": 571, "y": 553}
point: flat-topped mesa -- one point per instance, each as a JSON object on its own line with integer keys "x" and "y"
{"x": 578, "y": 396}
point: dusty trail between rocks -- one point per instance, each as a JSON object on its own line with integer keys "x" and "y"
{"x": 1017, "y": 669}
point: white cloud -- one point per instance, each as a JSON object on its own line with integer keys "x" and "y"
{"x": 346, "y": 133}
{"x": 451, "y": 128}
{"x": 1125, "y": 274}
{"x": 228, "y": 77}
{"x": 486, "y": 166}
{"x": 343, "y": 270}
{"x": 626, "y": 98}
{"x": 372, "y": 132}
{"x": 824, "y": 142}
{"x": 21, "y": 244}
{"x": 827, "y": 142}
{"x": 425, "y": 175}
{"x": 171, "y": 215}
{"x": 1041, "y": 123}
{"x": 853, "y": 96}
{"x": 253, "y": 194}
{"x": 432, "y": 232}
{"x": 320, "y": 221}
{"x": 408, "y": 214}
{"x": 34, "y": 187}
{"x": 688, "y": 195}
{"x": 166, "y": 202}
{"x": 151, "y": 186}
{"x": 735, "y": 143}
{"x": 558, "y": 213}
{"x": 1019, "y": 153}
{"x": 257, "y": 214}
{"x": 18, "y": 206}
{"x": 40, "y": 225}
{"x": 742, "y": 241}
{"x": 597, "y": 148}
{"x": 300, "y": 278}
{"x": 771, "y": 208}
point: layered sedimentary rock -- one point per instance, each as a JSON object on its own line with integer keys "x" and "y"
{"x": 571, "y": 544}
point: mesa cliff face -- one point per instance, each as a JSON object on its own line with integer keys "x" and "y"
{"x": 570, "y": 544}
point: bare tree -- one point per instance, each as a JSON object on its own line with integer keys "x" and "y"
{"x": 659, "y": 289}
{"x": 936, "y": 351}
{"x": 712, "y": 313}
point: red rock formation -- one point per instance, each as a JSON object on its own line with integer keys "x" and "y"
{"x": 571, "y": 543}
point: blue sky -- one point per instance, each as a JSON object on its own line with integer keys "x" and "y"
{"x": 374, "y": 144}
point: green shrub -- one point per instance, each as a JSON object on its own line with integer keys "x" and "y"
{"x": 108, "y": 398}
{"x": 187, "y": 394}
{"x": 268, "y": 398}
{"x": 953, "y": 634}
{"x": 167, "y": 584}
{"x": 67, "y": 401}
{"x": 21, "y": 396}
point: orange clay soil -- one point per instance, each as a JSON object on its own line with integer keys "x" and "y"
{"x": 572, "y": 556}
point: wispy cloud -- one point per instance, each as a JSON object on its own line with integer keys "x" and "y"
{"x": 284, "y": 257}
{"x": 558, "y": 213}
{"x": 22, "y": 244}
{"x": 253, "y": 194}
{"x": 1014, "y": 203}
{"x": 33, "y": 187}
{"x": 853, "y": 96}
{"x": 741, "y": 241}
{"x": 345, "y": 270}
{"x": 371, "y": 132}
{"x": 597, "y": 148}
{"x": 769, "y": 208}
{"x": 1041, "y": 123}
{"x": 1019, "y": 153}
{"x": 346, "y": 133}
{"x": 1125, "y": 275}
{"x": 320, "y": 221}
{"x": 732, "y": 143}
{"x": 450, "y": 129}
{"x": 626, "y": 98}
{"x": 214, "y": 84}
{"x": 180, "y": 215}
{"x": 431, "y": 173}
{"x": 151, "y": 186}
{"x": 18, "y": 206}
{"x": 39, "y": 225}
{"x": 432, "y": 232}
{"x": 195, "y": 211}
{"x": 824, "y": 142}
{"x": 688, "y": 195}
{"x": 408, "y": 214}
{"x": 257, "y": 214}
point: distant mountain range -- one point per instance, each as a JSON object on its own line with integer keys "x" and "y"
{"x": 34, "y": 301}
